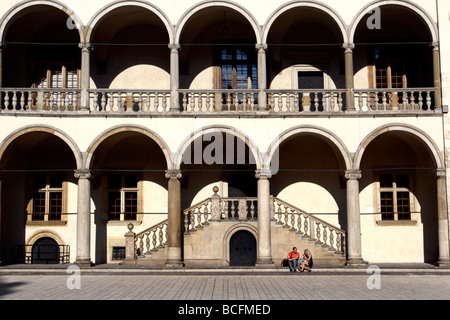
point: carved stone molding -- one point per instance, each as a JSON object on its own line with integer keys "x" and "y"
{"x": 173, "y": 174}
{"x": 263, "y": 174}
{"x": 353, "y": 174}
{"x": 83, "y": 174}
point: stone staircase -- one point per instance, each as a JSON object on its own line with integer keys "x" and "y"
{"x": 209, "y": 225}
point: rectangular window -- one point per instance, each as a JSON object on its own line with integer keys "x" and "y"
{"x": 395, "y": 198}
{"x": 118, "y": 253}
{"x": 47, "y": 201}
{"x": 122, "y": 197}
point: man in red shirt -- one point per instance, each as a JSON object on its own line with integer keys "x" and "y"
{"x": 293, "y": 259}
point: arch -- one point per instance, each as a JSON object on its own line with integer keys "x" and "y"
{"x": 42, "y": 128}
{"x": 127, "y": 128}
{"x": 44, "y": 234}
{"x": 421, "y": 135}
{"x": 26, "y": 4}
{"x": 214, "y": 128}
{"x": 407, "y": 4}
{"x": 338, "y": 143}
{"x": 313, "y": 4}
{"x": 99, "y": 15}
{"x": 231, "y": 231}
{"x": 205, "y": 4}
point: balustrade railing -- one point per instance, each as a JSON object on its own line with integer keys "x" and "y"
{"x": 129, "y": 101}
{"x": 151, "y": 240}
{"x": 205, "y": 101}
{"x": 306, "y": 101}
{"x": 21, "y": 100}
{"x": 308, "y": 226}
{"x": 216, "y": 208}
{"x": 404, "y": 100}
{"x": 213, "y": 102}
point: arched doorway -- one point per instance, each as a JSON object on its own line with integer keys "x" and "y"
{"x": 45, "y": 251}
{"x": 242, "y": 249}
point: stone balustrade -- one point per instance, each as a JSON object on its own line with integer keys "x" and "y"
{"x": 308, "y": 226}
{"x": 217, "y": 102}
{"x": 151, "y": 240}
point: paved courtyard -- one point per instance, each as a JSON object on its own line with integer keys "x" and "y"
{"x": 76, "y": 285}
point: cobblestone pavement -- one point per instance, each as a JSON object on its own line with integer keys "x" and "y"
{"x": 73, "y": 286}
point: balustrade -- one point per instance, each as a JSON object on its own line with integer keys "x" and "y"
{"x": 213, "y": 102}
{"x": 151, "y": 240}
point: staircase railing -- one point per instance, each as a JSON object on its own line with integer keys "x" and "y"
{"x": 152, "y": 239}
{"x": 308, "y": 226}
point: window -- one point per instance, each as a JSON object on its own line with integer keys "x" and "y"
{"x": 47, "y": 198}
{"x": 395, "y": 199}
{"x": 238, "y": 68}
{"x": 118, "y": 253}
{"x": 122, "y": 197}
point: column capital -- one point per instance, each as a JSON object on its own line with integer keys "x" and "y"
{"x": 348, "y": 47}
{"x": 83, "y": 174}
{"x": 440, "y": 173}
{"x": 85, "y": 46}
{"x": 174, "y": 46}
{"x": 353, "y": 174}
{"x": 263, "y": 174}
{"x": 435, "y": 45}
{"x": 261, "y": 47}
{"x": 173, "y": 174}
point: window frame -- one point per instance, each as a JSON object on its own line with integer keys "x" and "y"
{"x": 395, "y": 190}
{"x": 47, "y": 190}
{"x": 122, "y": 191}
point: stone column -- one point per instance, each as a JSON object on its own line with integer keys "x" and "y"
{"x": 349, "y": 85}
{"x": 262, "y": 77}
{"x": 84, "y": 218}
{"x": 443, "y": 220}
{"x": 1, "y": 178}
{"x": 353, "y": 219}
{"x": 174, "y": 258}
{"x": 437, "y": 77}
{"x": 1, "y": 65}
{"x": 85, "y": 76}
{"x": 264, "y": 257}
{"x": 174, "y": 77}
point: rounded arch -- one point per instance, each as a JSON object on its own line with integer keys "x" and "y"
{"x": 40, "y": 128}
{"x": 26, "y": 4}
{"x": 313, "y": 4}
{"x": 407, "y": 4}
{"x": 127, "y": 128}
{"x": 336, "y": 142}
{"x": 205, "y": 4}
{"x": 231, "y": 231}
{"x": 119, "y": 4}
{"x": 213, "y": 128}
{"x": 421, "y": 135}
{"x": 44, "y": 234}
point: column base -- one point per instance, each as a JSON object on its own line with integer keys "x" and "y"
{"x": 84, "y": 263}
{"x": 356, "y": 263}
{"x": 174, "y": 264}
{"x": 267, "y": 262}
{"x": 445, "y": 264}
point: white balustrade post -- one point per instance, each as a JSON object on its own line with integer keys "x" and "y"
{"x": 130, "y": 246}
{"x": 83, "y": 257}
{"x": 264, "y": 233}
